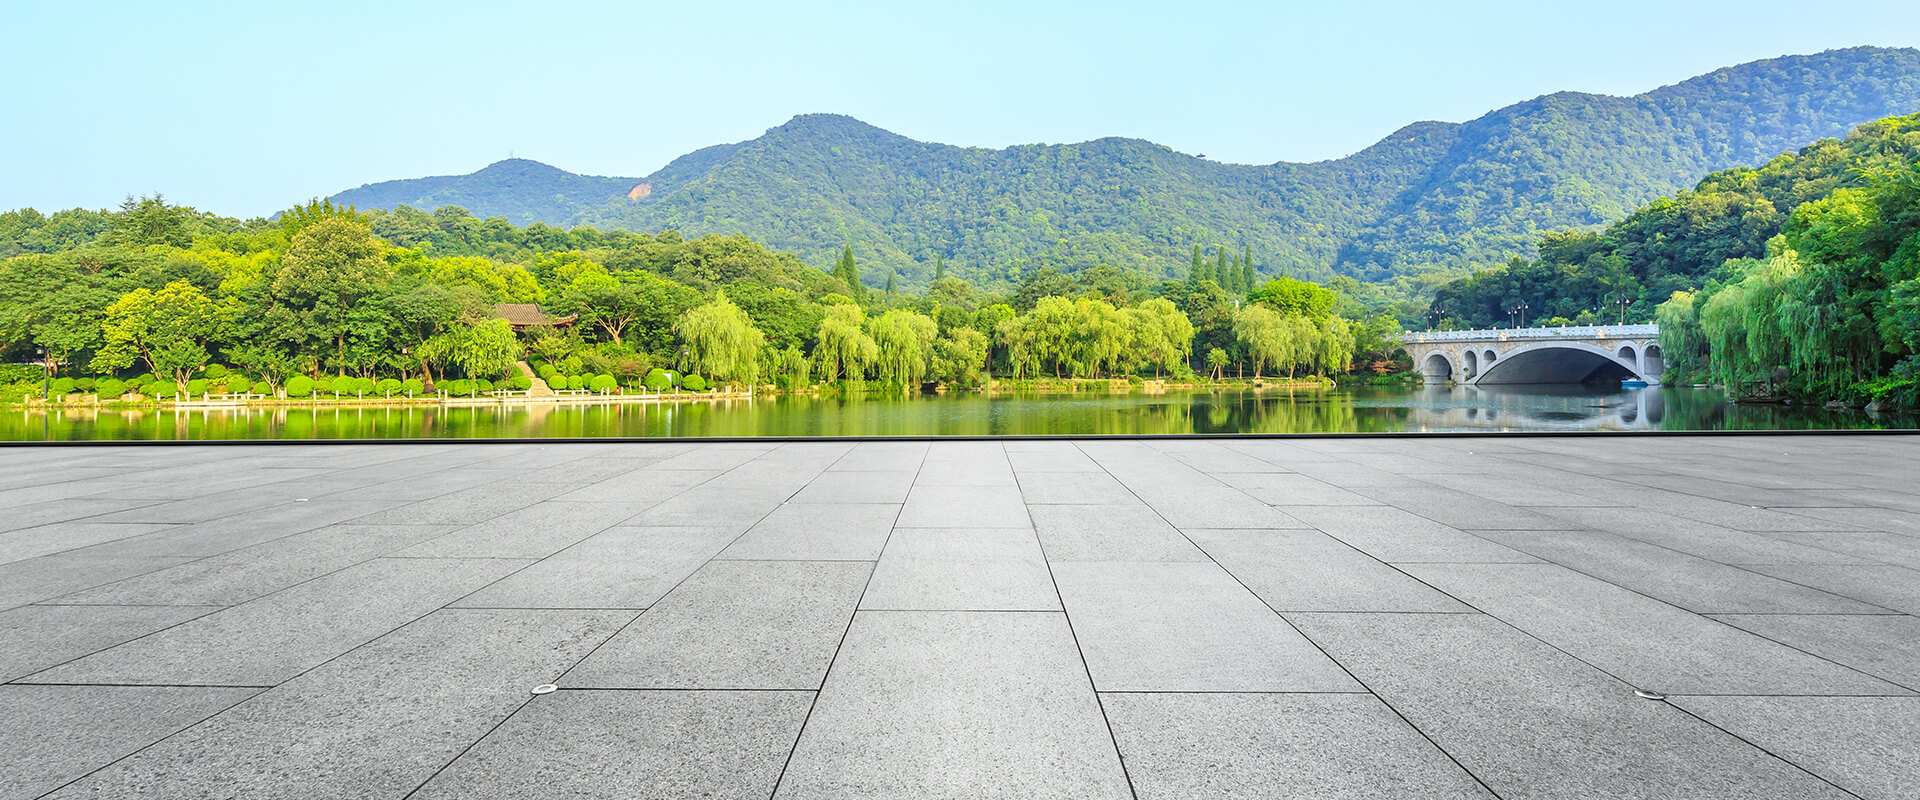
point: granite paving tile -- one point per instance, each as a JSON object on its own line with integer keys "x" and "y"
{"x": 63, "y": 537}
{"x": 940, "y": 704}
{"x": 266, "y": 641}
{"x": 468, "y": 506}
{"x": 1711, "y": 542}
{"x": 1869, "y": 746}
{"x": 962, "y": 569}
{"x": 1889, "y": 548}
{"x": 1896, "y": 588}
{"x": 584, "y": 743}
{"x": 1295, "y": 570}
{"x": 1689, "y": 582}
{"x": 1640, "y": 640}
{"x": 1186, "y": 627}
{"x": 857, "y": 487}
{"x": 1396, "y": 536}
{"x": 616, "y": 568}
{"x": 1531, "y": 721}
{"x": 227, "y": 534}
{"x": 818, "y": 531}
{"x": 1289, "y": 489}
{"x": 972, "y": 506}
{"x": 241, "y": 575}
{"x": 537, "y": 531}
{"x": 38, "y": 637}
{"x": 1179, "y": 746}
{"x": 377, "y": 722}
{"x": 640, "y": 486}
{"x": 1886, "y": 646}
{"x": 38, "y": 579}
{"x": 1070, "y": 488}
{"x": 734, "y": 625}
{"x": 1109, "y": 533}
{"x": 56, "y": 734}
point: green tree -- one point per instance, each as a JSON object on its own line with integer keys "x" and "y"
{"x": 170, "y": 330}
{"x": 329, "y": 267}
{"x": 843, "y": 348}
{"x": 904, "y": 342}
{"x": 721, "y": 341}
{"x": 483, "y": 349}
{"x": 849, "y": 273}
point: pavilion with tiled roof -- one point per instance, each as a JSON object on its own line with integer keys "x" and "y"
{"x": 528, "y": 315}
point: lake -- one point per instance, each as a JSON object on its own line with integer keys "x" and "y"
{"x": 1236, "y": 410}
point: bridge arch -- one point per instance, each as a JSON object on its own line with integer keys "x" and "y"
{"x": 1626, "y": 353}
{"x": 1469, "y": 364}
{"x": 1561, "y": 362}
{"x": 1487, "y": 358}
{"x": 1436, "y": 368}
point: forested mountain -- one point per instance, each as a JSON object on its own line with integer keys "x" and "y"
{"x": 1427, "y": 203}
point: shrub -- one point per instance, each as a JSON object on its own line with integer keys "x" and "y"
{"x": 110, "y": 388}
{"x": 694, "y": 383}
{"x": 602, "y": 383}
{"x": 359, "y": 386}
{"x": 460, "y": 388}
{"x": 85, "y": 384}
{"x": 300, "y": 386}
{"x": 658, "y": 380}
{"x": 261, "y": 388}
{"x": 483, "y": 386}
{"x": 62, "y": 386}
{"x": 215, "y": 371}
{"x": 388, "y": 386}
{"x": 413, "y": 386}
{"x": 22, "y": 374}
{"x": 520, "y": 383}
{"x": 323, "y": 385}
{"x": 546, "y": 372}
{"x": 197, "y": 386}
{"x": 571, "y": 365}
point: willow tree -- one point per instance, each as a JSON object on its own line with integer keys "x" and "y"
{"x": 1161, "y": 335}
{"x": 1265, "y": 335}
{"x": 1683, "y": 345}
{"x": 842, "y": 347}
{"x": 904, "y": 346}
{"x": 1100, "y": 338}
{"x": 720, "y": 340}
{"x": 485, "y": 349}
{"x": 1741, "y": 321}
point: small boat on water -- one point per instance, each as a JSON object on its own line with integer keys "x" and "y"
{"x": 1633, "y": 384}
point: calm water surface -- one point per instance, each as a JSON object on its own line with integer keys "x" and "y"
{"x": 1364, "y": 409}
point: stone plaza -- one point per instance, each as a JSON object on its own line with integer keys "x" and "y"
{"x": 1454, "y": 617}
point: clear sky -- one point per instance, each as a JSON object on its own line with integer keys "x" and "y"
{"x": 246, "y": 108}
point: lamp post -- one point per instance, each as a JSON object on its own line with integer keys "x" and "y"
{"x": 1621, "y": 302}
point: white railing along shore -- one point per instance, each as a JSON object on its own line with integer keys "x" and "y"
{"x": 1531, "y": 334}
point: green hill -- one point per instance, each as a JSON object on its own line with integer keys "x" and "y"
{"x": 1430, "y": 202}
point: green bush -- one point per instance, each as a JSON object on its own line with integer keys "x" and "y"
{"x": 388, "y": 386}
{"x": 413, "y": 386}
{"x": 261, "y": 387}
{"x": 214, "y": 372}
{"x": 546, "y": 372}
{"x": 460, "y": 388}
{"x": 694, "y": 383}
{"x": 300, "y": 386}
{"x": 62, "y": 386}
{"x": 520, "y": 383}
{"x": 85, "y": 384}
{"x": 483, "y": 386}
{"x": 603, "y": 383}
{"x": 110, "y": 388}
{"x": 658, "y": 380}
{"x": 22, "y": 374}
{"x": 571, "y": 365}
{"x": 197, "y": 386}
{"x": 323, "y": 386}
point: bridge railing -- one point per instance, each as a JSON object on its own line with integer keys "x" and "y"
{"x": 1534, "y": 334}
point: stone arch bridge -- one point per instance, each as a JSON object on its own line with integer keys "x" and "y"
{"x": 1538, "y": 355}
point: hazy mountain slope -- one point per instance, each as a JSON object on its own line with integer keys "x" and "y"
{"x": 1432, "y": 199}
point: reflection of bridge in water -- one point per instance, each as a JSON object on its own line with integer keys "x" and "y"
{"x": 1538, "y": 355}
{"x": 1537, "y": 408}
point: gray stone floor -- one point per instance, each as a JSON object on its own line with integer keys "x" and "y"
{"x": 1326, "y": 618}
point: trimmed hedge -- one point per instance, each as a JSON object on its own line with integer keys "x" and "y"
{"x": 261, "y": 388}
{"x": 694, "y": 383}
{"x": 110, "y": 388}
{"x": 413, "y": 386}
{"x": 214, "y": 372}
{"x": 197, "y": 386}
{"x": 603, "y": 383}
{"x": 300, "y": 386}
{"x": 520, "y": 383}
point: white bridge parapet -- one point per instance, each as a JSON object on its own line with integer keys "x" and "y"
{"x": 1538, "y": 355}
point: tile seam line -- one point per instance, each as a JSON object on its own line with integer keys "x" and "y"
{"x": 854, "y": 614}
{"x": 528, "y": 700}
{"x": 155, "y": 743}
{"x": 1113, "y": 739}
{"x": 1368, "y": 689}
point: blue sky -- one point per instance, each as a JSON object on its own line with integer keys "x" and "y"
{"x": 246, "y": 108}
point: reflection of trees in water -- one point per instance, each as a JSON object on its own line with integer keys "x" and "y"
{"x": 1365, "y": 409}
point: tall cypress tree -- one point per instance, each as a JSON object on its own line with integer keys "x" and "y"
{"x": 1220, "y": 274}
{"x": 1198, "y": 270}
{"x": 1247, "y": 275}
{"x": 849, "y": 273}
{"x": 892, "y": 288}
{"x": 939, "y": 268}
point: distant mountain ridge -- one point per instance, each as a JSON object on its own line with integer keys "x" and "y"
{"x": 1431, "y": 200}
